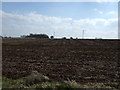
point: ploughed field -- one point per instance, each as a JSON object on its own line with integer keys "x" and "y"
{"x": 62, "y": 59}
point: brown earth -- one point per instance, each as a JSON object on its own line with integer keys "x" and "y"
{"x": 62, "y": 59}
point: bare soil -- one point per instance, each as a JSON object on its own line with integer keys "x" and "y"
{"x": 62, "y": 59}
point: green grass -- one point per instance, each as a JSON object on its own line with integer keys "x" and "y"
{"x": 38, "y": 81}
{"x": 34, "y": 83}
{"x": 35, "y": 80}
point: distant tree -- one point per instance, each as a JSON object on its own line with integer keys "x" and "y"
{"x": 31, "y": 34}
{"x": 23, "y": 36}
{"x": 5, "y": 36}
{"x": 97, "y": 38}
{"x": 37, "y": 36}
{"x": 64, "y": 38}
{"x": 51, "y": 37}
{"x": 71, "y": 38}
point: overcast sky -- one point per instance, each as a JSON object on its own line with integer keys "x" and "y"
{"x": 66, "y": 19}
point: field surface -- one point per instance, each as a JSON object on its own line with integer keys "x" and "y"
{"x": 62, "y": 59}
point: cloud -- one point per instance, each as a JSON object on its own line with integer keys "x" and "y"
{"x": 19, "y": 24}
{"x": 107, "y": 13}
{"x": 112, "y": 12}
{"x": 106, "y": 0}
{"x": 98, "y": 11}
